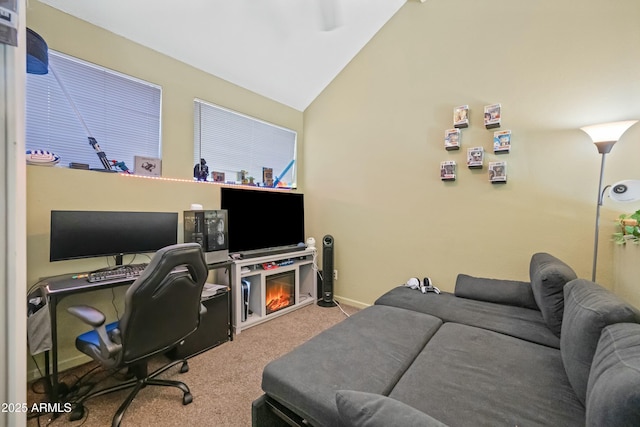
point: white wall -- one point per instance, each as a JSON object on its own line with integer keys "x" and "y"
{"x": 13, "y": 313}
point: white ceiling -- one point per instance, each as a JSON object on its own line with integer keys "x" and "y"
{"x": 285, "y": 50}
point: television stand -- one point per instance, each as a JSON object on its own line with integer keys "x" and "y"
{"x": 254, "y": 281}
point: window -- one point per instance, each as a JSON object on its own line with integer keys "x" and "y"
{"x": 242, "y": 150}
{"x": 122, "y": 113}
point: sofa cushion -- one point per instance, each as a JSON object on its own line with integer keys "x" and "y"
{"x": 468, "y": 376}
{"x": 613, "y": 391}
{"x": 548, "y": 277}
{"x": 509, "y": 292}
{"x": 360, "y": 409}
{"x": 518, "y": 322}
{"x": 367, "y": 352}
{"x": 589, "y": 308}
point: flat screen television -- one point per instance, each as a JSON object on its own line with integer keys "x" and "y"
{"x": 263, "y": 220}
{"x": 85, "y": 234}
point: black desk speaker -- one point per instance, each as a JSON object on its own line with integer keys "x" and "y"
{"x": 327, "y": 272}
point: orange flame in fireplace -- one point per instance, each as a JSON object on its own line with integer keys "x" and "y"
{"x": 279, "y": 295}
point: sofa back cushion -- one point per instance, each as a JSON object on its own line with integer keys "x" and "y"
{"x": 548, "y": 277}
{"x": 589, "y": 308}
{"x": 613, "y": 391}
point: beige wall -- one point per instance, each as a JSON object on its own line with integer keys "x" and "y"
{"x": 374, "y": 141}
{"x": 60, "y": 188}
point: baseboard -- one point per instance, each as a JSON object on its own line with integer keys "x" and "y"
{"x": 63, "y": 365}
{"x": 352, "y": 303}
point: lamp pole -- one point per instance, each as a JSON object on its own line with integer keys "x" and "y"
{"x": 600, "y": 197}
{"x": 604, "y": 136}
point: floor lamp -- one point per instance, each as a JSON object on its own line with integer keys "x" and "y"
{"x": 604, "y": 136}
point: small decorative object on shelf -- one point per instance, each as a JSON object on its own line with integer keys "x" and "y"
{"x": 267, "y": 177}
{"x": 242, "y": 177}
{"x": 475, "y": 157}
{"x": 452, "y": 139}
{"x": 502, "y": 141}
{"x": 120, "y": 165}
{"x": 150, "y": 166}
{"x": 42, "y": 158}
{"x": 492, "y": 116}
{"x": 217, "y": 176}
{"x": 461, "y": 116}
{"x": 448, "y": 170}
{"x": 498, "y": 172}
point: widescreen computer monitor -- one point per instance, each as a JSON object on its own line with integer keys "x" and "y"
{"x": 85, "y": 234}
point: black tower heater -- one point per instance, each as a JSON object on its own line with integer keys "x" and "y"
{"x": 327, "y": 272}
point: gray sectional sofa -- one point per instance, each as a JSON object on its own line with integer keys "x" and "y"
{"x": 555, "y": 351}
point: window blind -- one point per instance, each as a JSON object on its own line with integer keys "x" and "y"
{"x": 231, "y": 142}
{"x": 121, "y": 112}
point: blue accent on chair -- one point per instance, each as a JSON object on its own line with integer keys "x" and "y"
{"x": 91, "y": 337}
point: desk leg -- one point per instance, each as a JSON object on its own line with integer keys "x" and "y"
{"x": 53, "y": 307}
{"x": 47, "y": 373}
{"x": 230, "y": 300}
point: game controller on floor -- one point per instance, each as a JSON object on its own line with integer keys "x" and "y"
{"x": 425, "y": 285}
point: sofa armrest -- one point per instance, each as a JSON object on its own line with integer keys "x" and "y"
{"x": 361, "y": 409}
{"x": 508, "y": 292}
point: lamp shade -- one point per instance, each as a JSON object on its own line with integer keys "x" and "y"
{"x": 607, "y": 132}
{"x": 37, "y": 53}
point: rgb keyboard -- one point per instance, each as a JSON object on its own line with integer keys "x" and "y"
{"x": 130, "y": 271}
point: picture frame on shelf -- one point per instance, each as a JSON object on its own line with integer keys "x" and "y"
{"x": 267, "y": 177}
{"x": 217, "y": 176}
{"x": 147, "y": 166}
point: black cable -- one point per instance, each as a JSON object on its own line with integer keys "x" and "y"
{"x": 113, "y": 302}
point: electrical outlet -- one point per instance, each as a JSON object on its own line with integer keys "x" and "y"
{"x": 335, "y": 274}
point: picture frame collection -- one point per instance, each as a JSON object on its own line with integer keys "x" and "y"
{"x": 501, "y": 144}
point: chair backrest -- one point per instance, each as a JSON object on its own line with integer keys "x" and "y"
{"x": 162, "y": 307}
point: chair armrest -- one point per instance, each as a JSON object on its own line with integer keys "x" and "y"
{"x": 95, "y": 318}
{"x": 89, "y": 315}
{"x": 508, "y": 292}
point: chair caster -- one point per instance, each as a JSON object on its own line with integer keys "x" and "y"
{"x": 76, "y": 413}
{"x": 187, "y": 398}
{"x": 184, "y": 368}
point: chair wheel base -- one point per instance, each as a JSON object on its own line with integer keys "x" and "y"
{"x": 77, "y": 413}
{"x": 187, "y": 398}
{"x": 184, "y": 368}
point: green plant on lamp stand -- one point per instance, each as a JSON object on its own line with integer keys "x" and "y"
{"x": 630, "y": 230}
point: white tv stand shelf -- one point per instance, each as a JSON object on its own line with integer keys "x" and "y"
{"x": 251, "y": 270}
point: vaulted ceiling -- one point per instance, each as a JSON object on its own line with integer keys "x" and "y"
{"x": 285, "y": 50}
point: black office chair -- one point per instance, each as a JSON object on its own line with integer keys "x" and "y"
{"x": 162, "y": 307}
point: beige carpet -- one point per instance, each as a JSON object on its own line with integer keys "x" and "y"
{"x": 223, "y": 381}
